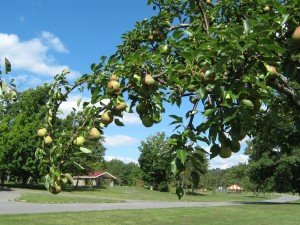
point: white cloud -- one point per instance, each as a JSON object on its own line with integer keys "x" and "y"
{"x": 119, "y": 140}
{"x": 123, "y": 159}
{"x": 235, "y": 159}
{"x": 33, "y": 55}
{"x": 131, "y": 118}
{"x": 67, "y": 106}
{"x": 53, "y": 41}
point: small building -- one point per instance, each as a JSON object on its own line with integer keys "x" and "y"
{"x": 234, "y": 189}
{"x": 94, "y": 179}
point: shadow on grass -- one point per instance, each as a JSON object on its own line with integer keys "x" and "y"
{"x": 195, "y": 194}
{"x": 267, "y": 203}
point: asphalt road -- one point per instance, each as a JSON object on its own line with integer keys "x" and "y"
{"x": 8, "y": 206}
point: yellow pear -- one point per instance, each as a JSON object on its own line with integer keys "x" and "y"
{"x": 266, "y": 8}
{"x": 94, "y": 134}
{"x": 148, "y": 80}
{"x": 296, "y": 37}
{"x": 271, "y": 69}
{"x": 107, "y": 117}
{"x": 79, "y": 141}
{"x": 121, "y": 106}
{"x": 48, "y": 140}
{"x": 42, "y": 132}
{"x": 113, "y": 86}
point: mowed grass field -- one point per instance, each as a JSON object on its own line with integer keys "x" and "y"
{"x": 123, "y": 194}
{"x": 256, "y": 214}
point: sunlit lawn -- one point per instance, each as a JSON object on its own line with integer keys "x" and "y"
{"x": 279, "y": 214}
{"x": 117, "y": 194}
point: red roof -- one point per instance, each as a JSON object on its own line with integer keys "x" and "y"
{"x": 96, "y": 173}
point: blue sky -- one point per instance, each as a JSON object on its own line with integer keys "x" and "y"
{"x": 42, "y": 37}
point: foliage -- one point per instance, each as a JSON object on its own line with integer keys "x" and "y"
{"x": 126, "y": 173}
{"x": 155, "y": 161}
{"x": 275, "y": 151}
{"x": 18, "y": 140}
{"x": 226, "y": 56}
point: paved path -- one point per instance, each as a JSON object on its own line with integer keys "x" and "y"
{"x": 7, "y": 206}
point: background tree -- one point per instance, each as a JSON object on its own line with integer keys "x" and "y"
{"x": 274, "y": 152}
{"x": 155, "y": 161}
{"x": 126, "y": 173}
{"x": 18, "y": 140}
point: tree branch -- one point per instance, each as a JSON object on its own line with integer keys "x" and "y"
{"x": 203, "y": 13}
{"x": 288, "y": 91}
{"x": 182, "y": 25}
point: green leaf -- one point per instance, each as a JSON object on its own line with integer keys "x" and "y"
{"x": 182, "y": 155}
{"x": 177, "y": 118}
{"x": 208, "y": 112}
{"x": 7, "y": 66}
{"x": 187, "y": 55}
{"x": 196, "y": 178}
{"x": 284, "y": 19}
{"x": 247, "y": 26}
{"x": 78, "y": 165}
{"x": 232, "y": 116}
{"x": 179, "y": 192}
{"x": 119, "y": 123}
{"x": 85, "y": 150}
{"x": 201, "y": 92}
{"x": 174, "y": 167}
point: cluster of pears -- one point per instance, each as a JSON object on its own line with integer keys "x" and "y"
{"x": 94, "y": 134}
{"x": 144, "y": 107}
{"x": 156, "y": 35}
{"x": 60, "y": 182}
{"x": 228, "y": 146}
{"x": 44, "y": 133}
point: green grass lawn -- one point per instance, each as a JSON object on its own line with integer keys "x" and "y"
{"x": 119, "y": 194}
{"x": 281, "y": 214}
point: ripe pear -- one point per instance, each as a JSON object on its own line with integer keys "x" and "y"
{"x": 107, "y": 117}
{"x": 202, "y": 74}
{"x": 225, "y": 153}
{"x": 147, "y": 121}
{"x": 266, "y": 8}
{"x": 296, "y": 37}
{"x": 271, "y": 69}
{"x": 148, "y": 80}
{"x": 94, "y": 134}
{"x": 164, "y": 49}
{"x": 158, "y": 35}
{"x": 48, "y": 140}
{"x": 42, "y": 132}
{"x": 121, "y": 106}
{"x": 150, "y": 38}
{"x": 181, "y": 72}
{"x": 113, "y": 86}
{"x": 79, "y": 141}
{"x": 55, "y": 189}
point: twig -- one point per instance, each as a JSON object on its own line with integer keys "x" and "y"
{"x": 203, "y": 13}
